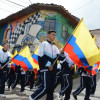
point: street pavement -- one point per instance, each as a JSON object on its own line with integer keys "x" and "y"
{"x": 16, "y": 96}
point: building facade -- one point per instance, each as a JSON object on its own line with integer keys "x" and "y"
{"x": 30, "y": 25}
{"x": 96, "y": 33}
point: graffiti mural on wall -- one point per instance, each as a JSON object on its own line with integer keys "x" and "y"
{"x": 32, "y": 28}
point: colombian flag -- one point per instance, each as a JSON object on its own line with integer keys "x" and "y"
{"x": 24, "y": 59}
{"x": 13, "y": 66}
{"x": 35, "y": 70}
{"x": 12, "y": 63}
{"x": 81, "y": 47}
{"x": 96, "y": 68}
{"x": 13, "y": 55}
{"x": 35, "y": 60}
{"x": 35, "y": 57}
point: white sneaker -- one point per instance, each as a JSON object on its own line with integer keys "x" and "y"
{"x": 11, "y": 90}
{"x": 61, "y": 97}
{"x": 8, "y": 89}
{"x": 92, "y": 95}
{"x": 2, "y": 96}
{"x": 22, "y": 93}
{"x": 30, "y": 98}
{"x": 32, "y": 89}
{"x": 55, "y": 95}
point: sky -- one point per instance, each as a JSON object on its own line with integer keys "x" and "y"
{"x": 89, "y": 10}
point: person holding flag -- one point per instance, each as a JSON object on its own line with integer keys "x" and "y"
{"x": 5, "y": 58}
{"x": 85, "y": 82}
{"x": 67, "y": 69}
{"x": 47, "y": 57}
{"x": 83, "y": 51}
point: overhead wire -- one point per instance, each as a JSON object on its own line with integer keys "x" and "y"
{"x": 15, "y": 3}
{"x": 30, "y": 1}
{"x": 6, "y": 10}
{"x": 24, "y": 2}
{"x": 4, "y": 4}
{"x": 83, "y": 6}
{"x": 10, "y": 5}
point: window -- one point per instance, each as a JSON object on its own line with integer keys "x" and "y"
{"x": 49, "y": 24}
{"x": 65, "y": 33}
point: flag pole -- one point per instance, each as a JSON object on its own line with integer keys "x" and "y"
{"x": 7, "y": 63}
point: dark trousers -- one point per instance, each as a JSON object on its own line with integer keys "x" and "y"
{"x": 38, "y": 80}
{"x": 59, "y": 79}
{"x": 18, "y": 77}
{"x": 93, "y": 84}
{"x": 2, "y": 82}
{"x": 85, "y": 82}
{"x": 30, "y": 80}
{"x": 69, "y": 86}
{"x": 11, "y": 78}
{"x": 68, "y": 82}
{"x": 46, "y": 86}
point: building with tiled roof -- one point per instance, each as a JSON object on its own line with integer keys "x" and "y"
{"x": 30, "y": 25}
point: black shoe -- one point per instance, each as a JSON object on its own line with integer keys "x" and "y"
{"x": 75, "y": 97}
{"x": 87, "y": 99}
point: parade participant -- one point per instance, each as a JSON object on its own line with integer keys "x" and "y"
{"x": 20, "y": 75}
{"x": 11, "y": 78}
{"x": 30, "y": 78}
{"x": 67, "y": 66}
{"x": 5, "y": 57}
{"x": 85, "y": 82}
{"x": 93, "y": 85}
{"x": 47, "y": 54}
{"x": 59, "y": 77}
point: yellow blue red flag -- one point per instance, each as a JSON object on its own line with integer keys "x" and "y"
{"x": 24, "y": 59}
{"x": 96, "y": 68}
{"x": 81, "y": 47}
{"x": 12, "y": 63}
{"x": 35, "y": 57}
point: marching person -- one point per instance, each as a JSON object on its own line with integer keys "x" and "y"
{"x": 93, "y": 85}
{"x": 67, "y": 66}
{"x": 85, "y": 82}
{"x": 30, "y": 78}
{"x": 59, "y": 77}
{"x": 17, "y": 76}
{"x": 5, "y": 57}
{"x": 47, "y": 54}
{"x": 20, "y": 75}
{"x": 11, "y": 78}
